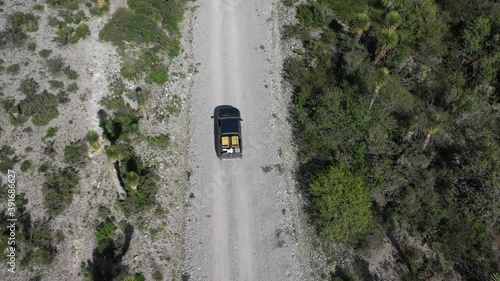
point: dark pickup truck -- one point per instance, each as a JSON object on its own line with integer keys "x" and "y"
{"x": 227, "y": 132}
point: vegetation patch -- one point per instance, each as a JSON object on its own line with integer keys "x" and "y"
{"x": 140, "y": 25}
{"x": 7, "y": 158}
{"x": 383, "y": 98}
{"x": 34, "y": 239}
{"x": 42, "y": 108}
{"x": 75, "y": 153}
{"x": 58, "y": 189}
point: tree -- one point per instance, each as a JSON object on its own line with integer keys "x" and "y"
{"x": 393, "y": 20}
{"x": 341, "y": 203}
{"x": 388, "y": 40}
{"x": 361, "y": 24}
{"x": 115, "y": 153}
{"x": 380, "y": 81}
{"x": 93, "y": 139}
{"x": 131, "y": 179}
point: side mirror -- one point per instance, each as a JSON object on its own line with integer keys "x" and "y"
{"x": 212, "y": 117}
{"x": 241, "y": 119}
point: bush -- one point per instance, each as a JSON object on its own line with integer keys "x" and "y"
{"x": 58, "y": 189}
{"x": 342, "y": 205}
{"x": 55, "y": 65}
{"x": 70, "y": 73}
{"x": 51, "y": 132}
{"x": 54, "y": 84}
{"x": 42, "y": 108}
{"x": 7, "y": 158}
{"x": 45, "y": 53}
{"x": 161, "y": 141}
{"x": 29, "y": 87}
{"x": 64, "y": 34}
{"x": 13, "y": 68}
{"x": 27, "y": 22}
{"x": 13, "y": 35}
{"x": 75, "y": 153}
{"x": 32, "y": 46}
{"x": 72, "y": 88}
{"x": 81, "y": 32}
{"x": 105, "y": 234}
{"x": 25, "y": 165}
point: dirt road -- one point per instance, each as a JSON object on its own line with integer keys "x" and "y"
{"x": 238, "y": 225}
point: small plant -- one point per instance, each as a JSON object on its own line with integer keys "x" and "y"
{"x": 27, "y": 22}
{"x": 25, "y": 165}
{"x": 81, "y": 32}
{"x": 267, "y": 169}
{"x": 62, "y": 97}
{"x": 39, "y": 7}
{"x": 106, "y": 232}
{"x": 64, "y": 34}
{"x": 32, "y": 46}
{"x": 13, "y": 68}
{"x": 74, "y": 153}
{"x": 93, "y": 139}
{"x": 161, "y": 141}
{"x": 70, "y": 73}
{"x": 73, "y": 87}
{"x": 45, "y": 53}
{"x": 42, "y": 108}
{"x": 58, "y": 189}
{"x": 51, "y": 132}
{"x": 29, "y": 87}
{"x": 131, "y": 180}
{"x": 79, "y": 17}
{"x": 191, "y": 195}
{"x": 55, "y": 65}
{"x": 54, "y": 84}
{"x": 116, "y": 152}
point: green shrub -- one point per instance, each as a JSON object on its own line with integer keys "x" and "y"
{"x": 25, "y": 165}
{"x": 13, "y": 35}
{"x": 27, "y": 22}
{"x": 39, "y": 7}
{"x": 45, "y": 53}
{"x": 342, "y": 205}
{"x": 62, "y": 97}
{"x": 7, "y": 158}
{"x": 54, "y": 84}
{"x": 174, "y": 48}
{"x": 51, "y": 132}
{"x": 70, "y": 73}
{"x": 13, "y": 68}
{"x": 67, "y": 4}
{"x": 75, "y": 152}
{"x": 42, "y": 108}
{"x": 98, "y": 11}
{"x": 79, "y": 17}
{"x": 58, "y": 189}
{"x": 125, "y": 25}
{"x": 81, "y": 32}
{"x": 55, "y": 65}
{"x": 72, "y": 88}
{"x": 29, "y": 87}
{"x": 32, "y": 46}
{"x": 158, "y": 75}
{"x": 161, "y": 141}
{"x": 105, "y": 234}
{"x": 64, "y": 34}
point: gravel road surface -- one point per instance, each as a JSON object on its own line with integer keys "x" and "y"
{"x": 239, "y": 225}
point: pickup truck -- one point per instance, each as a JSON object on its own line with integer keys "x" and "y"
{"x": 227, "y": 132}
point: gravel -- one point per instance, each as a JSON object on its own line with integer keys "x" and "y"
{"x": 241, "y": 222}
